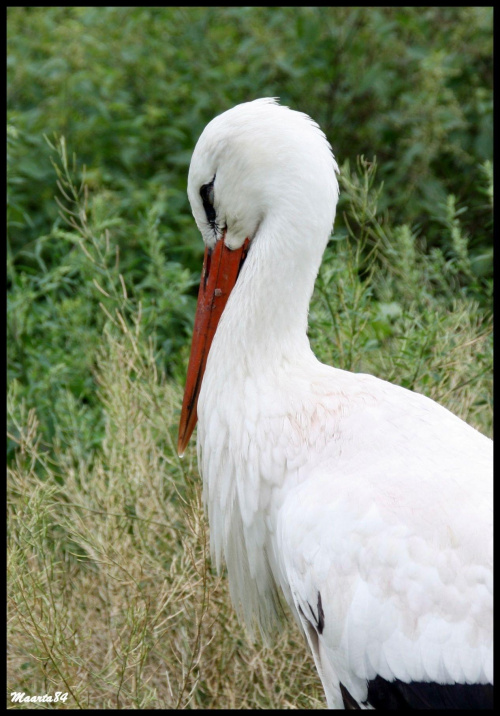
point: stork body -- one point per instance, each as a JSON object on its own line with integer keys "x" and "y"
{"x": 368, "y": 506}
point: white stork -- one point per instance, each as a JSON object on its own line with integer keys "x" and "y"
{"x": 367, "y": 505}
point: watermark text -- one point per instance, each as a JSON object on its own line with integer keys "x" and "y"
{"x": 21, "y": 698}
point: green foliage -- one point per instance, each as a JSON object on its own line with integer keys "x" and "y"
{"x": 130, "y": 90}
{"x": 383, "y": 305}
{"x": 67, "y": 286}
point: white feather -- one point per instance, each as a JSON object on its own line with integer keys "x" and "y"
{"x": 317, "y": 480}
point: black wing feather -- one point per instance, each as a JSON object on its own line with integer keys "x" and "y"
{"x": 396, "y": 694}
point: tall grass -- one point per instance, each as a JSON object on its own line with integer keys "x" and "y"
{"x": 112, "y": 596}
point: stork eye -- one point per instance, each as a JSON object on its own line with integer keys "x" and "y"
{"x": 207, "y": 197}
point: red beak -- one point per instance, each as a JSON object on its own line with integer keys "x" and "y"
{"x": 221, "y": 266}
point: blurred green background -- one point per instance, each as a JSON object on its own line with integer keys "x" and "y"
{"x": 130, "y": 90}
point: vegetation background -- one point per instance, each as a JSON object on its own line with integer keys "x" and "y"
{"x": 112, "y": 597}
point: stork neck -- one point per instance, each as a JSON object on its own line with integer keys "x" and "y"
{"x": 266, "y": 315}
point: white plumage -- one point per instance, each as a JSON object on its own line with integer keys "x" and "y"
{"x": 367, "y": 505}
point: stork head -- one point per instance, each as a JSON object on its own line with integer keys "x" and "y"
{"x": 260, "y": 158}
{"x": 256, "y": 165}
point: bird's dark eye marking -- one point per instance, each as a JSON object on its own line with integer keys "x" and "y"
{"x": 207, "y": 197}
